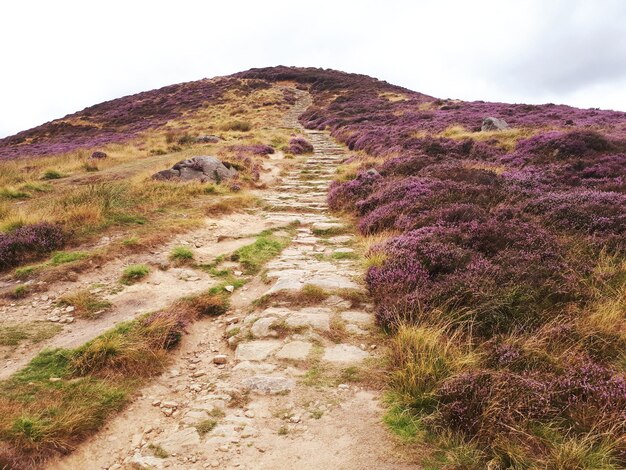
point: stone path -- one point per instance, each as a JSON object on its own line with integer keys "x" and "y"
{"x": 277, "y": 383}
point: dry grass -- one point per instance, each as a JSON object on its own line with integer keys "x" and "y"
{"x": 506, "y": 139}
{"x": 86, "y": 304}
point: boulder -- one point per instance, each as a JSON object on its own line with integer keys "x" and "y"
{"x": 208, "y": 139}
{"x": 98, "y": 156}
{"x": 493, "y": 124}
{"x": 205, "y": 169}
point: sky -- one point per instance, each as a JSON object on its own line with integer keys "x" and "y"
{"x": 61, "y": 56}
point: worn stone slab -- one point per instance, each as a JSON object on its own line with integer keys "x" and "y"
{"x": 358, "y": 318}
{"x": 269, "y": 384}
{"x": 344, "y": 353}
{"x": 296, "y": 350}
{"x": 256, "y": 350}
{"x": 178, "y": 442}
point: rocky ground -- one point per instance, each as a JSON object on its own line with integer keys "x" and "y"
{"x": 283, "y": 379}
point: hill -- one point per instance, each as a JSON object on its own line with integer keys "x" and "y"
{"x": 490, "y": 238}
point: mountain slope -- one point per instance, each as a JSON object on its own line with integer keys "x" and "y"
{"x": 494, "y": 257}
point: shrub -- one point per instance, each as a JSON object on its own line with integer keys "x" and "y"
{"x": 29, "y": 242}
{"x": 299, "y": 146}
{"x": 134, "y": 273}
{"x": 52, "y": 175}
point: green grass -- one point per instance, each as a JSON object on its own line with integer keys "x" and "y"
{"x": 12, "y": 335}
{"x": 62, "y": 257}
{"x": 26, "y": 271}
{"x": 181, "y": 254}
{"x": 52, "y": 175}
{"x": 344, "y": 255}
{"x": 255, "y": 255}
{"x": 134, "y": 273}
{"x": 13, "y": 193}
{"x": 20, "y": 291}
{"x": 402, "y": 423}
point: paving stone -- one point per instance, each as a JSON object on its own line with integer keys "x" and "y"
{"x": 262, "y": 328}
{"x": 269, "y": 384}
{"x": 316, "y": 318}
{"x": 296, "y": 350}
{"x": 179, "y": 441}
{"x": 358, "y": 318}
{"x": 256, "y": 350}
{"x": 344, "y": 353}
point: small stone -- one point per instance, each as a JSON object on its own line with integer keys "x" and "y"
{"x": 156, "y": 402}
{"x": 249, "y": 414}
{"x": 54, "y": 379}
{"x": 198, "y": 373}
{"x": 343, "y": 386}
{"x": 229, "y": 288}
{"x": 70, "y": 308}
{"x": 167, "y": 411}
{"x": 223, "y": 448}
{"x": 237, "y": 273}
{"x": 220, "y": 359}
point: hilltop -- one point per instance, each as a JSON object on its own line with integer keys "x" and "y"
{"x": 355, "y": 252}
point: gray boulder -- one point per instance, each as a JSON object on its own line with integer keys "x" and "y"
{"x": 208, "y": 139}
{"x": 494, "y": 124}
{"x": 205, "y": 169}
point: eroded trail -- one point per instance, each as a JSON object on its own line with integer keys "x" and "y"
{"x": 277, "y": 383}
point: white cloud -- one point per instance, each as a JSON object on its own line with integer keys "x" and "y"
{"x": 59, "y": 57}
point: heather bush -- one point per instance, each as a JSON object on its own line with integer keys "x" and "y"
{"x": 502, "y": 239}
{"x": 254, "y": 149}
{"x": 299, "y": 146}
{"x": 29, "y": 242}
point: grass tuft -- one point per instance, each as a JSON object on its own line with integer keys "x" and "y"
{"x": 134, "y": 273}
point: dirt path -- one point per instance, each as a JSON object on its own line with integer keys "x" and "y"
{"x": 276, "y": 384}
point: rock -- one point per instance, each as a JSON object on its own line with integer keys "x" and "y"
{"x": 98, "y": 156}
{"x": 204, "y": 168}
{"x": 54, "y": 379}
{"x": 493, "y": 124}
{"x": 269, "y": 384}
{"x": 208, "y": 139}
{"x": 358, "y": 318}
{"x": 70, "y": 309}
{"x": 296, "y": 351}
{"x": 255, "y": 350}
{"x": 229, "y": 288}
{"x": 262, "y": 328}
{"x": 344, "y": 353}
{"x": 179, "y": 441}
{"x": 220, "y": 359}
{"x": 316, "y": 318}
{"x": 249, "y": 414}
{"x": 237, "y": 273}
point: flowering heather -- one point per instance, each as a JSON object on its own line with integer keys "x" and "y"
{"x": 499, "y": 236}
{"x": 299, "y": 146}
{"x": 121, "y": 119}
{"x": 29, "y": 242}
{"x": 254, "y": 149}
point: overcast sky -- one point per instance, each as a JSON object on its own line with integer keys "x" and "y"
{"x": 61, "y": 56}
